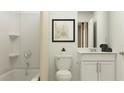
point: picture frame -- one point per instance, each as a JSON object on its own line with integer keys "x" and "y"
{"x": 63, "y": 30}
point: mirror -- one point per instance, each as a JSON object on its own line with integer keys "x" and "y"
{"x": 92, "y": 28}
{"x": 83, "y": 34}
{"x": 85, "y": 30}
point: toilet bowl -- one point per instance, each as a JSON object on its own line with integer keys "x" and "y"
{"x": 63, "y": 66}
{"x": 63, "y": 75}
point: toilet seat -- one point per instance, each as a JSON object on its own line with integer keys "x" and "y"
{"x": 63, "y": 75}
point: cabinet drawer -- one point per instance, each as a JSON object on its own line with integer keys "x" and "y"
{"x": 97, "y": 57}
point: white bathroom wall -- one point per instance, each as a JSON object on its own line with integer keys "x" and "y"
{"x": 29, "y": 27}
{"x": 101, "y": 19}
{"x": 116, "y": 20}
{"x": 14, "y": 42}
{"x": 55, "y": 47}
{"x": 84, "y": 16}
{"x": 8, "y": 22}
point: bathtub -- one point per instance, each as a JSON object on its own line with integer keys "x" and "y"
{"x": 21, "y": 75}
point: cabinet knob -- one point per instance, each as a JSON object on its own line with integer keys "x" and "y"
{"x": 99, "y": 67}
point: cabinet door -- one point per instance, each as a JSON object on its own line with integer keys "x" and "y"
{"x": 89, "y": 71}
{"x": 107, "y": 72}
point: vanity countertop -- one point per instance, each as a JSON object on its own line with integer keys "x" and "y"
{"x": 96, "y": 52}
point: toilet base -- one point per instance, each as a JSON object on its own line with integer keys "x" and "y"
{"x": 63, "y": 75}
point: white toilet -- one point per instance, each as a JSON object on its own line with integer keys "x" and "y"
{"x": 63, "y": 67}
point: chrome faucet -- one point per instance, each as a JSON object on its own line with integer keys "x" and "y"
{"x": 27, "y": 56}
{"x": 26, "y": 69}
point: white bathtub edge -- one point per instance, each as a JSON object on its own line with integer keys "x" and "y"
{"x": 36, "y": 78}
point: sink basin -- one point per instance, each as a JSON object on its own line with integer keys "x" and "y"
{"x": 84, "y": 50}
{"x": 89, "y": 50}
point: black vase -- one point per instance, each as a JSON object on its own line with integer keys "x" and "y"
{"x": 105, "y": 48}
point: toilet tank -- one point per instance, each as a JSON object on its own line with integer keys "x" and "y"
{"x": 63, "y": 62}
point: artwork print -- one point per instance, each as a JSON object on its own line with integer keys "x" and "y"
{"x": 63, "y": 30}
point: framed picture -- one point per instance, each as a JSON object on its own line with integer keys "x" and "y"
{"x": 63, "y": 30}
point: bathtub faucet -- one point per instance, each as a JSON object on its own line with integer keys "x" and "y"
{"x": 27, "y": 64}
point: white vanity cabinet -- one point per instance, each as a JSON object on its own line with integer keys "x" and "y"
{"x": 88, "y": 71}
{"x": 97, "y": 66}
